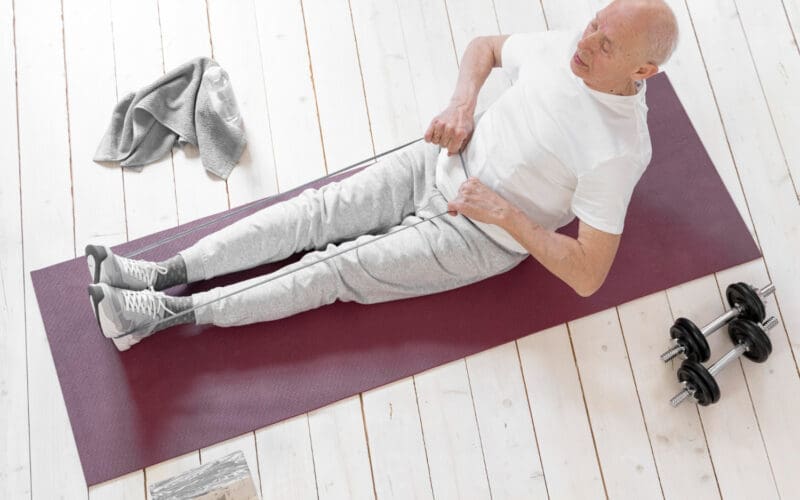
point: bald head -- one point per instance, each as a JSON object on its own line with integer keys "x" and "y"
{"x": 658, "y": 26}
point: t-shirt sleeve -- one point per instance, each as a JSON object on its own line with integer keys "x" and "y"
{"x": 603, "y": 193}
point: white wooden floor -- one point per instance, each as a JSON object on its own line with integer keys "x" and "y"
{"x": 577, "y": 411}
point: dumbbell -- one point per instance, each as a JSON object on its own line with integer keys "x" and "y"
{"x": 746, "y": 302}
{"x": 751, "y": 341}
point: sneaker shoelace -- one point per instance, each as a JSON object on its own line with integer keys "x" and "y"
{"x": 147, "y": 302}
{"x": 142, "y": 270}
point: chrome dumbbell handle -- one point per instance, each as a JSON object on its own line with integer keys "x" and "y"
{"x": 717, "y": 323}
{"x": 722, "y": 362}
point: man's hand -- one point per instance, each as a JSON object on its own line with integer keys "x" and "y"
{"x": 452, "y": 128}
{"x": 478, "y": 202}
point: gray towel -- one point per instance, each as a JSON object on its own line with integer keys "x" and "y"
{"x": 145, "y": 125}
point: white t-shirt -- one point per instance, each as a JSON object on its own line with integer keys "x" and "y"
{"x": 552, "y": 146}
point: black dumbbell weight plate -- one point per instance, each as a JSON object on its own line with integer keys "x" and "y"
{"x": 746, "y": 332}
{"x": 752, "y": 305}
{"x": 695, "y": 375}
{"x": 688, "y": 335}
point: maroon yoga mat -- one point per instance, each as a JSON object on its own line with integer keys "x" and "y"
{"x": 190, "y": 387}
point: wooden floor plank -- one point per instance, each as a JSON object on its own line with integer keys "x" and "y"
{"x": 47, "y": 226}
{"x": 128, "y": 487}
{"x": 290, "y": 93}
{"x": 185, "y": 36}
{"x": 15, "y": 460}
{"x": 337, "y": 80}
{"x": 452, "y": 440}
{"x": 286, "y": 461}
{"x": 676, "y": 434}
{"x": 234, "y": 36}
{"x": 556, "y": 399}
{"x": 341, "y": 457}
{"x": 775, "y": 55}
{"x": 615, "y": 414}
{"x": 91, "y": 92}
{"x": 513, "y": 465}
{"x": 397, "y": 449}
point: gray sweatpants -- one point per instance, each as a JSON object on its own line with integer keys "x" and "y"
{"x": 442, "y": 254}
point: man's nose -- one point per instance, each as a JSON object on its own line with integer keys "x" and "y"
{"x": 588, "y": 42}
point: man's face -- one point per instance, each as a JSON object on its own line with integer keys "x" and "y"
{"x": 612, "y": 47}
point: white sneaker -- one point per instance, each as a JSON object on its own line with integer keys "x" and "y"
{"x": 127, "y": 316}
{"x": 121, "y": 272}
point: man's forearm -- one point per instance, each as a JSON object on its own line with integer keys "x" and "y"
{"x": 476, "y": 64}
{"x": 559, "y": 254}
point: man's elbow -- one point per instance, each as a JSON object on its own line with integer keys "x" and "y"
{"x": 589, "y": 287}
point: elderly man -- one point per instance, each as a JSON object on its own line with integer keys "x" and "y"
{"x": 568, "y": 139}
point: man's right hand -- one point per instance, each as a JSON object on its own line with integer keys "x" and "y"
{"x": 452, "y": 128}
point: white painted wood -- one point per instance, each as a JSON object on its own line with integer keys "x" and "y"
{"x": 47, "y": 228}
{"x": 514, "y": 16}
{"x": 431, "y": 58}
{"x": 185, "y": 36}
{"x": 150, "y": 192}
{"x": 615, "y": 414}
{"x": 775, "y": 55}
{"x": 470, "y": 19}
{"x": 455, "y": 454}
{"x": 510, "y": 450}
{"x": 676, "y": 434}
{"x": 128, "y": 487}
{"x": 759, "y": 160}
{"x": 792, "y": 8}
{"x": 384, "y": 67}
{"x": 556, "y": 399}
{"x": 170, "y": 468}
{"x": 285, "y": 460}
{"x": 774, "y": 386}
{"x": 290, "y": 95}
{"x": 568, "y": 15}
{"x": 731, "y": 427}
{"x": 337, "y": 83}
{"x": 400, "y": 466}
{"x": 15, "y": 459}
{"x": 246, "y": 443}
{"x": 91, "y": 92}
{"x": 341, "y": 456}
{"x": 234, "y": 37}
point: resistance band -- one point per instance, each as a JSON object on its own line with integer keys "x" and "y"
{"x": 278, "y": 274}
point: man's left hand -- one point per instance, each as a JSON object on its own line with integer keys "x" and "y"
{"x": 478, "y": 202}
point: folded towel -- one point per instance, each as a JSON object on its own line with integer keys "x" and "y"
{"x": 145, "y": 125}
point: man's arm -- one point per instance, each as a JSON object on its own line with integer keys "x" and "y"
{"x": 582, "y": 263}
{"x": 453, "y": 127}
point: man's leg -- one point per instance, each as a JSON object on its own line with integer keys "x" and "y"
{"x": 374, "y": 199}
{"x": 445, "y": 253}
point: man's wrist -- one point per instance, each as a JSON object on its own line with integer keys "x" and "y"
{"x": 516, "y": 223}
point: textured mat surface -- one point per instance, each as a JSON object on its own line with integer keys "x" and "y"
{"x": 192, "y": 386}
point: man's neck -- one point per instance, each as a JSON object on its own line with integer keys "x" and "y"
{"x": 626, "y": 88}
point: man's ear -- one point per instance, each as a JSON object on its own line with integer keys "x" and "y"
{"x": 645, "y": 71}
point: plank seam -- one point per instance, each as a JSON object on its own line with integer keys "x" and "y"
{"x": 116, "y": 98}
{"x": 314, "y": 89}
{"x": 264, "y": 87}
{"x": 408, "y": 64}
{"x": 530, "y": 413}
{"x": 586, "y": 409}
{"x": 258, "y": 465}
{"x": 791, "y": 28}
{"x": 313, "y": 462}
{"x": 22, "y": 241}
{"x": 422, "y": 432}
{"x": 478, "y": 427}
{"x": 366, "y": 438}
{"x": 639, "y": 399}
{"x": 361, "y": 73}
{"x": 69, "y": 129}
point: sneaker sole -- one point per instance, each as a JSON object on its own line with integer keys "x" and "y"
{"x": 97, "y": 295}
{"x": 95, "y": 255}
